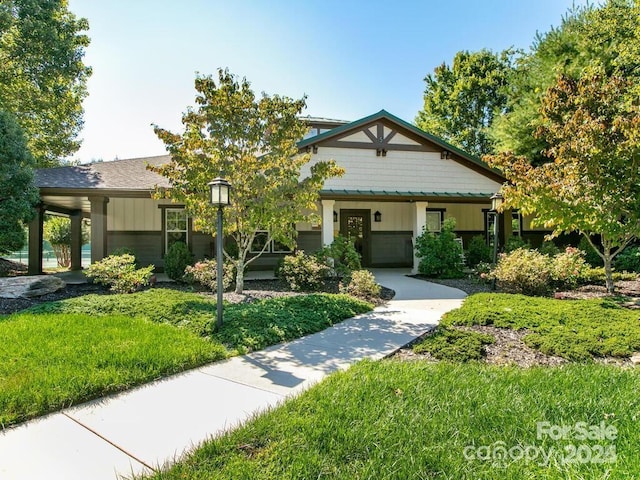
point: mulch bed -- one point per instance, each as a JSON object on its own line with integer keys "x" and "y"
{"x": 509, "y": 349}
{"x": 254, "y": 290}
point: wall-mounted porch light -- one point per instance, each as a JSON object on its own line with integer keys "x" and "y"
{"x": 445, "y": 154}
{"x": 335, "y": 216}
{"x": 377, "y": 217}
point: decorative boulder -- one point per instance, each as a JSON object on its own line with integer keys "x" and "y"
{"x": 28, "y": 287}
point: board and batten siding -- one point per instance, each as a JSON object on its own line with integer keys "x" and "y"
{"x": 134, "y": 214}
{"x": 400, "y": 171}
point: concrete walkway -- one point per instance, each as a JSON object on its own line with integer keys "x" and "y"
{"x": 138, "y": 430}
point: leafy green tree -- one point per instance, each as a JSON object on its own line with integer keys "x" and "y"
{"x": 592, "y": 127}
{"x": 607, "y": 37}
{"x": 461, "y": 101}
{"x": 42, "y": 76}
{"x": 57, "y": 231}
{"x": 253, "y": 144}
{"x": 18, "y": 193}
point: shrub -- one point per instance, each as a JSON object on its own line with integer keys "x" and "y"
{"x": 523, "y": 271}
{"x": 119, "y": 272}
{"x": 176, "y": 260}
{"x": 455, "y": 345}
{"x": 628, "y": 260}
{"x": 303, "y": 272}
{"x": 440, "y": 255}
{"x": 478, "y": 251}
{"x": 549, "y": 248}
{"x": 362, "y": 284}
{"x": 573, "y": 329}
{"x": 567, "y": 268}
{"x": 590, "y": 255}
{"x": 514, "y": 243}
{"x": 205, "y": 273}
{"x": 596, "y": 276}
{"x": 123, "y": 251}
{"x": 345, "y": 257}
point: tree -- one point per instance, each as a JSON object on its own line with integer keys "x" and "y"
{"x": 607, "y": 37}
{"x": 43, "y": 78}
{"x": 252, "y": 143}
{"x": 18, "y": 193}
{"x": 592, "y": 127}
{"x": 57, "y": 231}
{"x": 461, "y": 102}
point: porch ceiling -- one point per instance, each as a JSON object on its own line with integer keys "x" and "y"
{"x": 67, "y": 202}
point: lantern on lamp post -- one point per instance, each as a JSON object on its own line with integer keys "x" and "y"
{"x": 219, "y": 190}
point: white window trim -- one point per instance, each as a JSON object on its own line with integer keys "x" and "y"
{"x": 166, "y": 226}
{"x": 439, "y": 214}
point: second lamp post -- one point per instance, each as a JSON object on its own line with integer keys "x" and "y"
{"x": 219, "y": 197}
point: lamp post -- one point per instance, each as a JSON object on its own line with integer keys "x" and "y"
{"x": 219, "y": 197}
{"x": 496, "y": 203}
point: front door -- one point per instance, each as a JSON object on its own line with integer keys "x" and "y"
{"x": 356, "y": 224}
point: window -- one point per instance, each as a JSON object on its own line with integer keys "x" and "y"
{"x": 176, "y": 226}
{"x": 277, "y": 247}
{"x": 260, "y": 240}
{"x": 434, "y": 221}
{"x": 516, "y": 223}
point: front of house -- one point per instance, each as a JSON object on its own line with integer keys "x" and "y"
{"x": 398, "y": 181}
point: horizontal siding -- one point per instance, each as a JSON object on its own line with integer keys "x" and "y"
{"x": 401, "y": 171}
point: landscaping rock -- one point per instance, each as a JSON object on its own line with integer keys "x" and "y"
{"x": 29, "y": 287}
{"x": 635, "y": 358}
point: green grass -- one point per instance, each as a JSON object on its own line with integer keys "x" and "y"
{"x": 413, "y": 420}
{"x": 61, "y": 353}
{"x": 48, "y": 362}
{"x": 573, "y": 329}
{"x": 454, "y": 345}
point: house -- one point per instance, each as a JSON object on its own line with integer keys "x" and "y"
{"x": 399, "y": 180}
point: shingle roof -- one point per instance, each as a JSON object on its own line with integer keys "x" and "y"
{"x": 128, "y": 174}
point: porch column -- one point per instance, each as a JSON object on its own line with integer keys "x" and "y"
{"x": 76, "y": 239}
{"x": 35, "y": 242}
{"x": 327, "y": 221}
{"x": 506, "y": 227}
{"x": 98, "y": 228}
{"x": 419, "y": 222}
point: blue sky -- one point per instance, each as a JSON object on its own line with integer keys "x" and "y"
{"x": 351, "y": 58}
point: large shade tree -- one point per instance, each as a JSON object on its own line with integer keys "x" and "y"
{"x": 462, "y": 100}
{"x": 592, "y": 186}
{"x": 42, "y": 75}
{"x": 606, "y": 36}
{"x": 252, "y": 142}
{"x": 17, "y": 191}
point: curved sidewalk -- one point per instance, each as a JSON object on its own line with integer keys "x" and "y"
{"x": 137, "y": 430}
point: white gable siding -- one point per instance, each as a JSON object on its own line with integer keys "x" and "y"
{"x": 402, "y": 140}
{"x": 401, "y": 171}
{"x": 356, "y": 137}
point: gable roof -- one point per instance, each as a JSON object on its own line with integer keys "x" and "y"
{"x": 129, "y": 174}
{"x": 458, "y": 154}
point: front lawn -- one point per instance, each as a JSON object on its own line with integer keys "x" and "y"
{"x": 49, "y": 361}
{"x": 406, "y": 420}
{"x": 62, "y": 353}
{"x": 573, "y": 329}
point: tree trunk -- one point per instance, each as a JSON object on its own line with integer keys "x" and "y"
{"x": 608, "y": 270}
{"x": 240, "y": 276}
